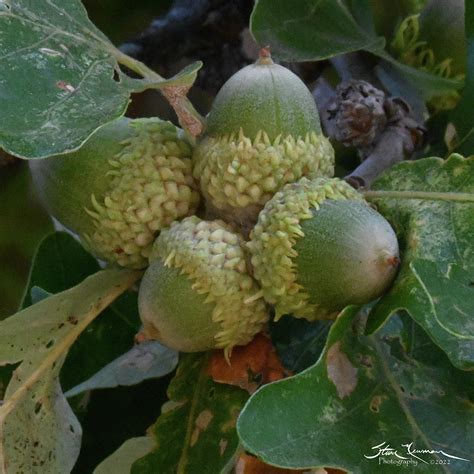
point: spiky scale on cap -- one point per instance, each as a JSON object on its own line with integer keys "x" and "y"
{"x": 237, "y": 173}
{"x": 121, "y": 188}
{"x": 203, "y": 264}
{"x": 310, "y": 285}
{"x": 263, "y": 132}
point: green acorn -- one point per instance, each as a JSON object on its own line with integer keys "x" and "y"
{"x": 197, "y": 293}
{"x": 263, "y": 131}
{"x": 127, "y": 182}
{"x": 319, "y": 247}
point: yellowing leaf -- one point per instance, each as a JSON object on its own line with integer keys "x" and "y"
{"x": 38, "y": 430}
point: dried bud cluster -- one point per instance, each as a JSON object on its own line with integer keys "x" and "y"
{"x": 358, "y": 113}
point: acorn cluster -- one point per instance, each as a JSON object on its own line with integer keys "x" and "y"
{"x": 246, "y": 223}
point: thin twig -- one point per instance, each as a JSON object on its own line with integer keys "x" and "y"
{"x": 424, "y": 195}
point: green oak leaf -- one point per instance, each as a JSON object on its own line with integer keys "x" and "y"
{"x": 363, "y": 391}
{"x": 35, "y": 415}
{"x": 60, "y": 263}
{"x": 320, "y": 29}
{"x": 309, "y": 31}
{"x": 434, "y": 284}
{"x": 23, "y": 224}
{"x": 196, "y": 430}
{"x": 61, "y": 78}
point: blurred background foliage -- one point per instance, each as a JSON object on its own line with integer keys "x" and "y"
{"x": 22, "y": 225}
{"x": 119, "y": 20}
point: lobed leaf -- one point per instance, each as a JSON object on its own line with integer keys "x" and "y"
{"x": 364, "y": 392}
{"x": 38, "y": 430}
{"x": 434, "y": 284}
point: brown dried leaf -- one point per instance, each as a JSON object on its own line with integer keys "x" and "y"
{"x": 249, "y": 366}
{"x": 248, "y": 464}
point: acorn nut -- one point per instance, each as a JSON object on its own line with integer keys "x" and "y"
{"x": 319, "y": 247}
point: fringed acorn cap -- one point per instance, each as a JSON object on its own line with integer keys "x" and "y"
{"x": 273, "y": 240}
{"x": 203, "y": 264}
{"x": 239, "y": 175}
{"x": 151, "y": 187}
{"x": 129, "y": 180}
{"x": 263, "y": 132}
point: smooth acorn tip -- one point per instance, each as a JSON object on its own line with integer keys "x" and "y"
{"x": 264, "y": 57}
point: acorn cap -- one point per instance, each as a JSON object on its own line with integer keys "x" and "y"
{"x": 263, "y": 132}
{"x": 197, "y": 293}
{"x": 318, "y": 247}
{"x": 131, "y": 179}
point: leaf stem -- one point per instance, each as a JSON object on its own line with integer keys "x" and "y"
{"x": 136, "y": 66}
{"x": 191, "y": 121}
{"x": 425, "y": 195}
